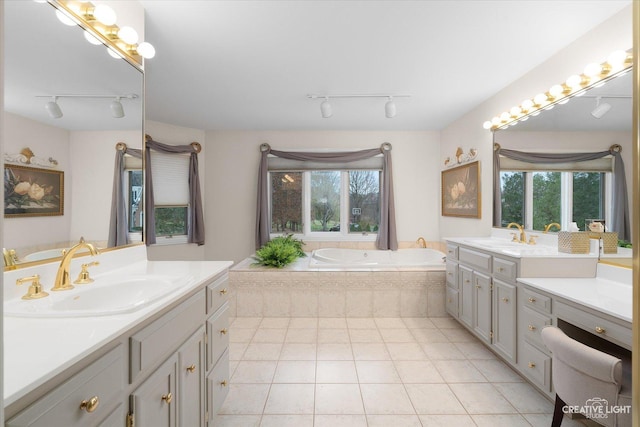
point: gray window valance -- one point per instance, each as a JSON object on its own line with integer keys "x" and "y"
{"x": 620, "y": 209}
{"x": 387, "y": 235}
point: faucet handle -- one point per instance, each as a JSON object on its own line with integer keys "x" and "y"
{"x": 83, "y": 277}
{"x": 515, "y": 237}
{"x": 532, "y": 239}
{"x": 35, "y": 290}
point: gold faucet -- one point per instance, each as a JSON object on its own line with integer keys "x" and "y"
{"x": 553, "y": 224}
{"x": 63, "y": 281}
{"x": 421, "y": 242}
{"x": 10, "y": 258}
{"x": 523, "y": 236}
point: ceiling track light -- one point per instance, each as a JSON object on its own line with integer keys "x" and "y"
{"x": 601, "y": 109}
{"x": 117, "y": 110}
{"x": 594, "y": 75}
{"x": 389, "y": 106}
{"x": 100, "y": 22}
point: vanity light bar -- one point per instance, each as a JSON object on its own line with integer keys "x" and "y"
{"x": 594, "y": 74}
{"x": 99, "y": 21}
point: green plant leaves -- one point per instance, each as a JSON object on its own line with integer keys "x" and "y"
{"x": 280, "y": 251}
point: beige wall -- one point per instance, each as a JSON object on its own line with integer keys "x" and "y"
{"x": 595, "y": 46}
{"x": 232, "y": 169}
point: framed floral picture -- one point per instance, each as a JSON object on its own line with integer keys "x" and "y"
{"x": 32, "y": 191}
{"x": 461, "y": 191}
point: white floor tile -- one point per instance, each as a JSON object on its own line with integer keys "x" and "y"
{"x": 434, "y": 399}
{"x": 446, "y": 322}
{"x": 269, "y": 335}
{"x": 329, "y": 351}
{"x": 459, "y": 371}
{"x": 361, "y": 323}
{"x": 290, "y": 399}
{"x": 365, "y": 335}
{"x": 333, "y": 335}
{"x": 442, "y": 351}
{"x": 500, "y": 421}
{"x": 275, "y": 322}
{"x": 286, "y": 421}
{"x": 397, "y": 335}
{"x": 525, "y": 398}
{"x": 497, "y": 371}
{"x": 406, "y": 351}
{"x": 482, "y": 399}
{"x": 336, "y": 372}
{"x": 295, "y": 371}
{"x": 340, "y": 421}
{"x": 418, "y": 323}
{"x": 377, "y": 372}
{"x": 418, "y": 372}
{"x": 237, "y": 402}
{"x": 459, "y": 335}
{"x": 423, "y": 335}
{"x": 238, "y": 421}
{"x": 246, "y": 322}
{"x": 298, "y": 351}
{"x": 385, "y": 399}
{"x": 303, "y": 322}
{"x": 390, "y": 323}
{"x": 254, "y": 372}
{"x": 301, "y": 335}
{"x": 447, "y": 421}
{"x": 236, "y": 350}
{"x": 262, "y": 351}
{"x": 338, "y": 399}
{"x": 544, "y": 420}
{"x": 370, "y": 351}
{"x": 332, "y": 323}
{"x": 475, "y": 350}
{"x": 241, "y": 335}
{"x": 394, "y": 421}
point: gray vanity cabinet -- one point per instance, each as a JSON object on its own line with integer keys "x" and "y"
{"x": 504, "y": 318}
{"x": 191, "y": 382}
{"x": 482, "y": 306}
{"x": 465, "y": 313}
{"x": 452, "y": 288}
{"x": 154, "y": 402}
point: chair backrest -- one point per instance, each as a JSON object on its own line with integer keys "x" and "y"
{"x": 582, "y": 376}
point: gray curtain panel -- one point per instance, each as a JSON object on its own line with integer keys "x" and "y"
{"x": 195, "y": 231}
{"x": 118, "y": 226}
{"x": 620, "y": 212}
{"x": 387, "y": 237}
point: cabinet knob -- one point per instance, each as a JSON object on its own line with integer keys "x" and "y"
{"x": 191, "y": 368}
{"x": 449, "y": 300}
{"x": 478, "y": 286}
{"x": 91, "y": 404}
{"x": 532, "y": 328}
{"x": 467, "y": 281}
{"x": 532, "y": 365}
{"x": 223, "y": 331}
{"x": 600, "y": 330}
{"x": 532, "y": 300}
{"x": 449, "y": 273}
{"x": 223, "y": 291}
{"x": 167, "y": 398}
{"x": 500, "y": 269}
{"x": 223, "y": 383}
{"x": 505, "y": 299}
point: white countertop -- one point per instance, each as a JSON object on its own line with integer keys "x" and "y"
{"x": 610, "y": 292}
{"x": 503, "y": 246}
{"x": 37, "y": 349}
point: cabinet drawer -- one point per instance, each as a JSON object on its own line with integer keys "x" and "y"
{"x": 155, "y": 342}
{"x": 598, "y": 326}
{"x": 537, "y": 301}
{"x": 452, "y": 302}
{"x": 537, "y": 366}
{"x": 478, "y": 260}
{"x": 218, "y": 335}
{"x": 217, "y": 293}
{"x": 452, "y": 251}
{"x": 533, "y": 322}
{"x": 217, "y": 386}
{"x": 452, "y": 274}
{"x": 103, "y": 379}
{"x": 505, "y": 269}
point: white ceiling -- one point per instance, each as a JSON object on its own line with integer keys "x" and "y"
{"x": 250, "y": 64}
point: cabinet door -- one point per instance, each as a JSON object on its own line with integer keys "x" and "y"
{"x": 466, "y": 296}
{"x": 191, "y": 380}
{"x": 452, "y": 302}
{"x": 504, "y": 319}
{"x": 154, "y": 402}
{"x": 482, "y": 306}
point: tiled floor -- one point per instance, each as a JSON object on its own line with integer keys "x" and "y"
{"x": 382, "y": 372}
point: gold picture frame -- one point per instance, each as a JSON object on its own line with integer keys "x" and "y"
{"x": 461, "y": 191}
{"x": 32, "y": 192}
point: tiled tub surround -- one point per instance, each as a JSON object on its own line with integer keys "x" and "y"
{"x": 297, "y": 291}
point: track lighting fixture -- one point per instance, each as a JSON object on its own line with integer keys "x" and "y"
{"x": 53, "y": 108}
{"x": 601, "y": 109}
{"x": 117, "y": 110}
{"x": 389, "y": 106}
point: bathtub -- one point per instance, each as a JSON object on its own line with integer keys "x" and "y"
{"x": 429, "y": 259}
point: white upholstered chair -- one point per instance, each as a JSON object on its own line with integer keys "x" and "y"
{"x": 584, "y": 377}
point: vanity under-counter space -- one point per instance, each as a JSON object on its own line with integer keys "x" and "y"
{"x": 165, "y": 364}
{"x": 505, "y": 295}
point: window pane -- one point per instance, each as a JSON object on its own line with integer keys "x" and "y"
{"x": 135, "y": 199}
{"x": 171, "y": 220}
{"x": 364, "y": 201}
{"x": 286, "y": 202}
{"x": 587, "y": 197}
{"x": 325, "y": 201}
{"x": 546, "y": 199}
{"x": 513, "y": 191}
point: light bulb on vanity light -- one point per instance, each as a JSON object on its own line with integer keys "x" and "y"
{"x": 146, "y": 50}
{"x": 105, "y": 15}
{"x": 128, "y": 35}
{"x": 91, "y": 38}
{"x": 64, "y": 18}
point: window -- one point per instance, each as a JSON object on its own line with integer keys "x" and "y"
{"x": 170, "y": 174}
{"x": 317, "y": 203}
{"x": 541, "y": 197}
{"x": 134, "y": 200}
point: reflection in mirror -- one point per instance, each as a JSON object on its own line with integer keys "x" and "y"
{"x": 43, "y": 59}
{"x": 538, "y": 194}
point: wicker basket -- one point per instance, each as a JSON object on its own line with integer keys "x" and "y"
{"x": 573, "y": 243}
{"x": 610, "y": 242}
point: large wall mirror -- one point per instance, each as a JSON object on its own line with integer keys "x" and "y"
{"x": 45, "y": 58}
{"x": 570, "y": 192}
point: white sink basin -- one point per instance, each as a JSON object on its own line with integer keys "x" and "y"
{"x": 106, "y": 296}
{"x": 531, "y": 251}
{"x": 493, "y": 243}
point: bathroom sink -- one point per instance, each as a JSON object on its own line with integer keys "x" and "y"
{"x": 106, "y": 296}
{"x": 531, "y": 251}
{"x": 493, "y": 243}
